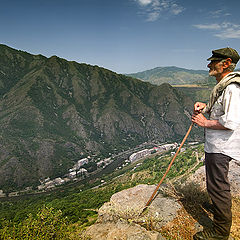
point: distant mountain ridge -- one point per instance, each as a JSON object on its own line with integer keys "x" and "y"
{"x": 172, "y": 75}
{"x": 55, "y": 112}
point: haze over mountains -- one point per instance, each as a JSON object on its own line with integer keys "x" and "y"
{"x": 55, "y": 112}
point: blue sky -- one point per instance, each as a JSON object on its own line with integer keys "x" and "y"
{"x": 124, "y": 36}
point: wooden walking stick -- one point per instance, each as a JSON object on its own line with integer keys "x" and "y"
{"x": 169, "y": 166}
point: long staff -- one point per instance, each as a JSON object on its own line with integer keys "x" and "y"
{"x": 169, "y": 166}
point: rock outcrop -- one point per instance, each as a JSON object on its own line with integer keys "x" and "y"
{"x": 123, "y": 217}
{"x": 233, "y": 176}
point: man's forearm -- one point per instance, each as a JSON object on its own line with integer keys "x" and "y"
{"x": 202, "y": 121}
{"x": 214, "y": 124}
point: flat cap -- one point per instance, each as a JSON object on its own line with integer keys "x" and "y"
{"x": 224, "y": 53}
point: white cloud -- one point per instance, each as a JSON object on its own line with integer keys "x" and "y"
{"x": 219, "y": 13}
{"x": 175, "y": 9}
{"x": 224, "y": 30}
{"x": 214, "y": 26}
{"x": 153, "y": 16}
{"x": 153, "y": 9}
{"x": 144, "y": 2}
{"x": 229, "y": 33}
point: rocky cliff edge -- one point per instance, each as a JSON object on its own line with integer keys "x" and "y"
{"x": 172, "y": 210}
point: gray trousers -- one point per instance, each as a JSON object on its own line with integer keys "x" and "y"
{"x": 218, "y": 187}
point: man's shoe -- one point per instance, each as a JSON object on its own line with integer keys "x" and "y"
{"x": 209, "y": 234}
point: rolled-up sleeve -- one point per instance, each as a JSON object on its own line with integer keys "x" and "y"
{"x": 231, "y": 107}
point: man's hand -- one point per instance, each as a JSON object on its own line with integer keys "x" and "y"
{"x": 198, "y": 107}
{"x": 197, "y": 116}
{"x": 199, "y": 119}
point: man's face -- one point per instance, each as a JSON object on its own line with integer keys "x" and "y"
{"x": 215, "y": 68}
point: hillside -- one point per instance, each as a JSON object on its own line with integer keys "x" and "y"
{"x": 68, "y": 212}
{"x": 55, "y": 112}
{"x": 195, "y": 84}
{"x": 173, "y": 76}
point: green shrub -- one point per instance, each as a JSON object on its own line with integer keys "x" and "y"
{"x": 47, "y": 224}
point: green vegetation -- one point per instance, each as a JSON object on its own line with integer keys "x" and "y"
{"x": 70, "y": 110}
{"x": 193, "y": 83}
{"x": 77, "y": 206}
{"x": 46, "y": 224}
{"x": 157, "y": 166}
{"x": 173, "y": 76}
{"x": 198, "y": 94}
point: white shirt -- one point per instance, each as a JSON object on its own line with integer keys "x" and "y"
{"x": 227, "y": 111}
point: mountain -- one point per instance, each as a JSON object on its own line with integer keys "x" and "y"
{"x": 173, "y": 76}
{"x": 55, "y": 112}
{"x": 196, "y": 84}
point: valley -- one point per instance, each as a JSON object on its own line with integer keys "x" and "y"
{"x": 104, "y": 167}
{"x": 75, "y": 134}
{"x": 56, "y": 113}
{"x": 74, "y": 198}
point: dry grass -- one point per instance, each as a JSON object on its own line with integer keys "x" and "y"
{"x": 235, "y": 230}
{"x": 188, "y": 221}
{"x": 191, "y": 218}
{"x": 188, "y": 86}
{"x": 182, "y": 227}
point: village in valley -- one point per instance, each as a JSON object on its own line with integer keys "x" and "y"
{"x": 79, "y": 172}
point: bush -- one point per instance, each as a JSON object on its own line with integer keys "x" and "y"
{"x": 47, "y": 224}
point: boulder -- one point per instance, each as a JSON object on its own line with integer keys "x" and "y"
{"x": 233, "y": 176}
{"x": 121, "y": 230}
{"x": 123, "y": 217}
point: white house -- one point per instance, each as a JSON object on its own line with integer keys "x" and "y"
{"x": 140, "y": 154}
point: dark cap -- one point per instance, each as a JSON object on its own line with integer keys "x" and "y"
{"x": 224, "y": 53}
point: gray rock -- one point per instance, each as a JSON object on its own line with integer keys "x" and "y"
{"x": 120, "y": 231}
{"x": 123, "y": 218}
{"x": 233, "y": 176}
{"x": 124, "y": 214}
{"x": 129, "y": 204}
